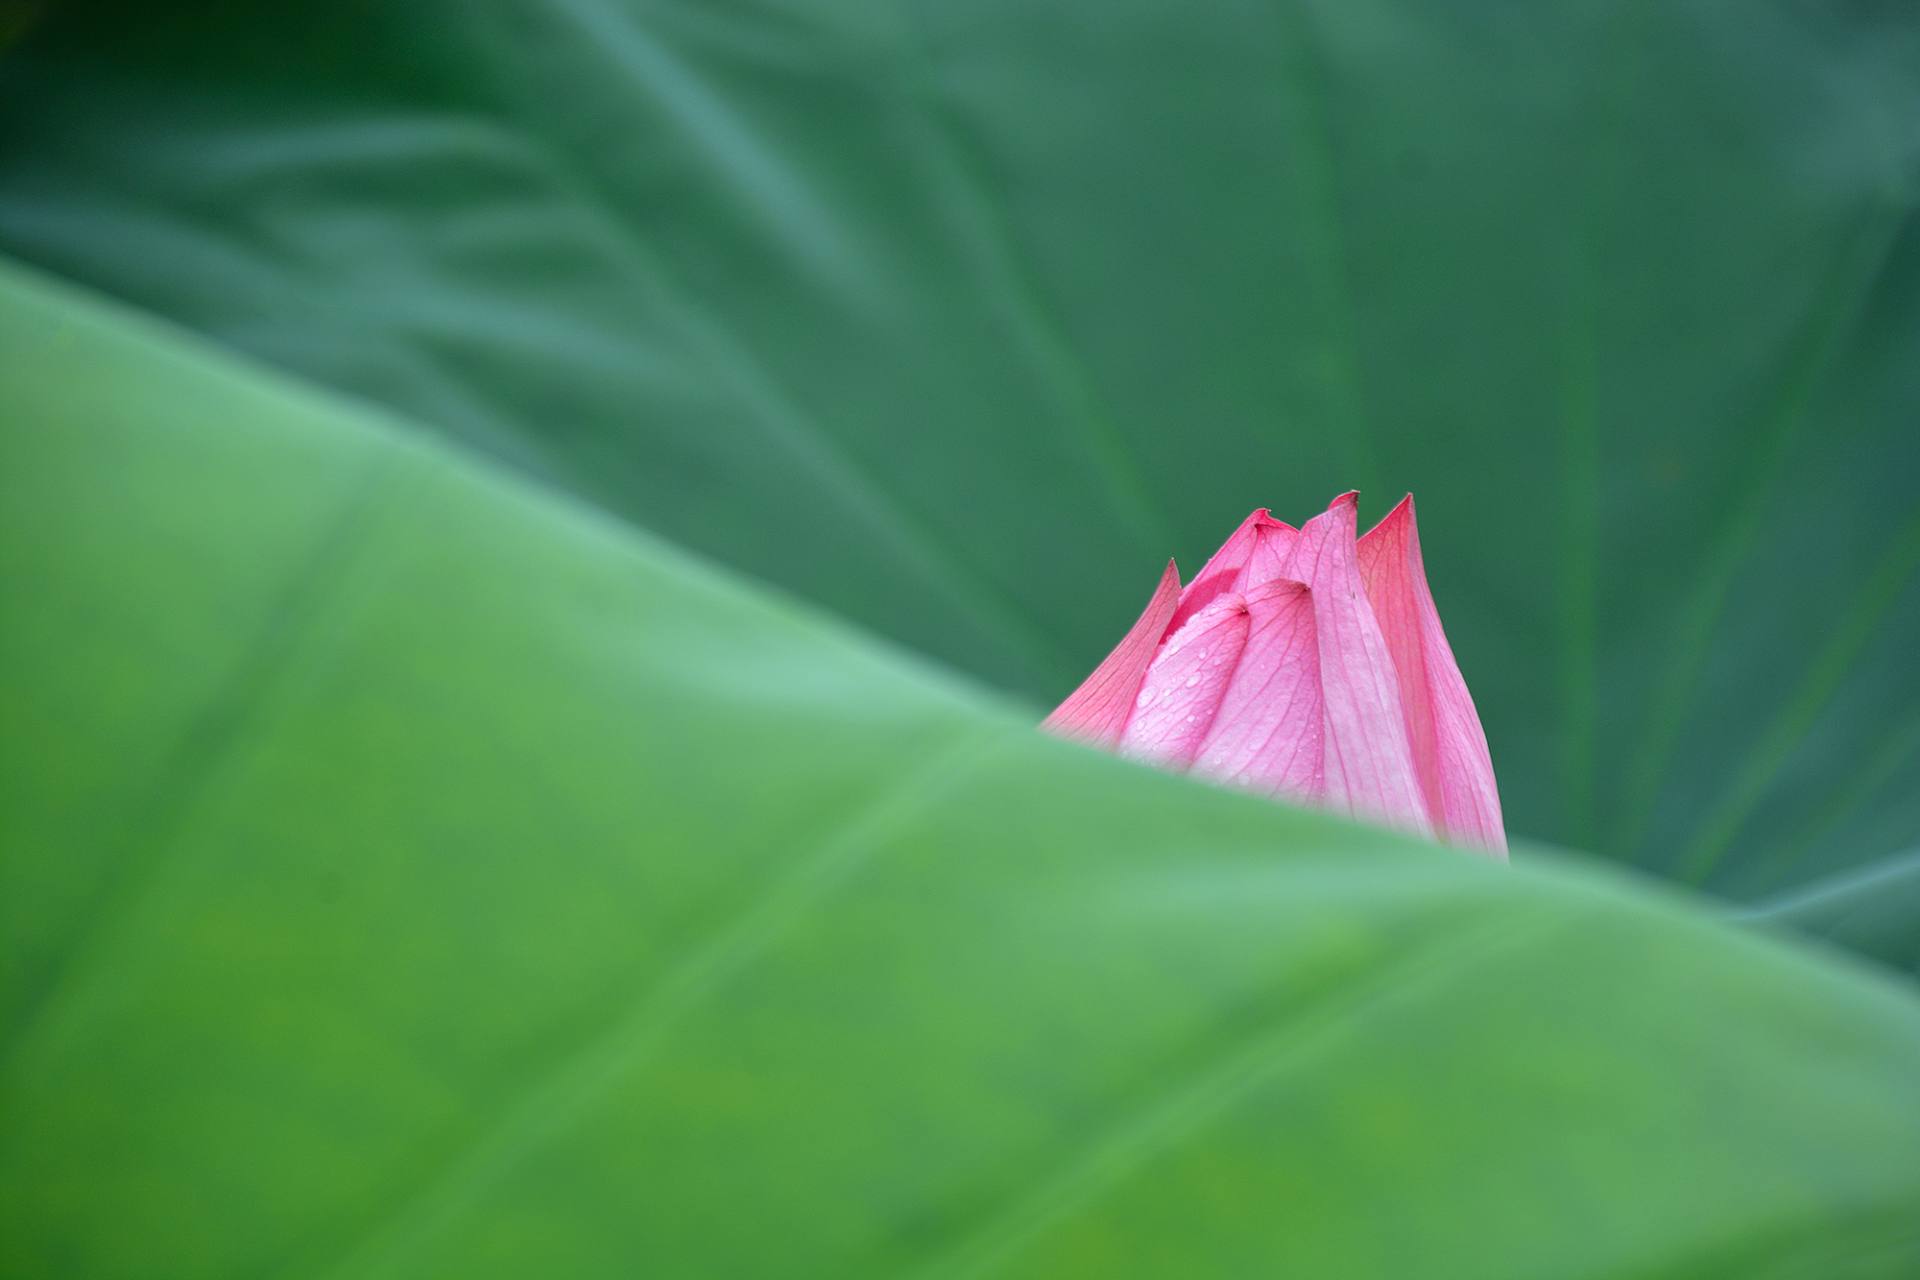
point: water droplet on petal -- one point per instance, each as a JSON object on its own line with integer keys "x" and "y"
{"x": 1192, "y": 681}
{"x": 1146, "y": 696}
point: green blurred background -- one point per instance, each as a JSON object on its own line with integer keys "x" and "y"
{"x": 959, "y": 319}
{"x": 413, "y": 863}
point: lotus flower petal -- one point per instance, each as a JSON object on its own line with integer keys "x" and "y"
{"x": 1369, "y": 757}
{"x": 1304, "y": 663}
{"x": 1268, "y": 732}
{"x": 1176, "y": 707}
{"x": 1256, "y": 554}
{"x": 1097, "y": 711}
{"x": 1449, "y": 747}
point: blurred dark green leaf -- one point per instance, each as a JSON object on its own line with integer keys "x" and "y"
{"x": 1872, "y": 911}
{"x": 959, "y": 319}
{"x": 407, "y": 873}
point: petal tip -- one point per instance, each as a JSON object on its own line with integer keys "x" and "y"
{"x": 1401, "y": 517}
{"x": 1275, "y": 588}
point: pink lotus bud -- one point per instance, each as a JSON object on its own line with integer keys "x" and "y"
{"x": 1305, "y": 664}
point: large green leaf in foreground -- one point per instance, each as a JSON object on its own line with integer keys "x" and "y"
{"x": 960, "y": 318}
{"x": 407, "y": 874}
